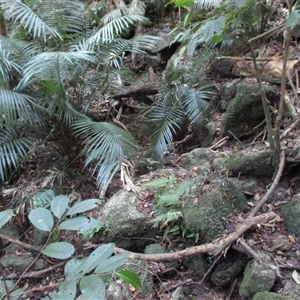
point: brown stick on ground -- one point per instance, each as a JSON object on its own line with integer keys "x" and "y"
{"x": 212, "y": 248}
{"x": 264, "y": 199}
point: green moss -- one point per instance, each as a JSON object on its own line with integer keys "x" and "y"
{"x": 245, "y": 111}
{"x": 204, "y": 219}
{"x": 290, "y": 213}
{"x": 256, "y": 164}
{"x": 269, "y": 296}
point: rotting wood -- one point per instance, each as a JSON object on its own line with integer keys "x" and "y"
{"x": 213, "y": 248}
{"x": 270, "y": 68}
{"x": 137, "y": 91}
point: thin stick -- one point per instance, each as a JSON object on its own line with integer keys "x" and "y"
{"x": 264, "y": 199}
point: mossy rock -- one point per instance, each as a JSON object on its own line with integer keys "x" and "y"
{"x": 254, "y": 164}
{"x": 258, "y": 277}
{"x": 204, "y": 219}
{"x": 269, "y": 296}
{"x": 290, "y": 213}
{"x": 245, "y": 112}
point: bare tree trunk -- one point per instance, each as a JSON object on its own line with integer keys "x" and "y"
{"x": 119, "y": 3}
{"x": 3, "y": 31}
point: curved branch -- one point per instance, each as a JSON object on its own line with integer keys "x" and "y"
{"x": 213, "y": 248}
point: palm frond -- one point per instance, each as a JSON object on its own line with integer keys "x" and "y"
{"x": 7, "y": 67}
{"x": 114, "y": 28}
{"x": 64, "y": 110}
{"x": 200, "y": 4}
{"x": 12, "y": 148}
{"x": 14, "y": 105}
{"x": 20, "y": 12}
{"x": 66, "y": 16}
{"x": 53, "y": 66}
{"x": 196, "y": 103}
{"x": 113, "y": 53}
{"x": 20, "y": 50}
{"x": 166, "y": 120}
{"x": 106, "y": 145}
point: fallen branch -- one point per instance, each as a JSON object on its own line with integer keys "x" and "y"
{"x": 213, "y": 248}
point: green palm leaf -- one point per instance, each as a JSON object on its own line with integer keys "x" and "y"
{"x": 196, "y": 102}
{"x": 7, "y": 66}
{"x": 53, "y": 66}
{"x": 115, "y": 28}
{"x": 20, "y": 12}
{"x": 106, "y": 145}
{"x": 66, "y": 16}
{"x": 14, "y": 104}
{"x": 20, "y": 51}
{"x": 167, "y": 120}
{"x": 12, "y": 148}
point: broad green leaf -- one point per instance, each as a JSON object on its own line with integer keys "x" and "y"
{"x": 80, "y": 223}
{"x": 9, "y": 284}
{"x": 15, "y": 295}
{"x": 130, "y": 277}
{"x": 111, "y": 264}
{"x": 59, "y": 205}
{"x": 60, "y": 250}
{"x": 41, "y": 218}
{"x": 67, "y": 290}
{"x": 91, "y": 227}
{"x": 98, "y": 255}
{"x": 74, "y": 268}
{"x": 293, "y": 18}
{"x": 83, "y": 206}
{"x": 5, "y": 216}
{"x": 92, "y": 287}
{"x": 296, "y": 276}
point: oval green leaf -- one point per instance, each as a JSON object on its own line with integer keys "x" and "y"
{"x": 67, "y": 290}
{"x": 41, "y": 218}
{"x": 83, "y": 206}
{"x": 60, "y": 250}
{"x": 293, "y": 18}
{"x": 59, "y": 205}
{"x": 92, "y": 287}
{"x": 130, "y": 277}
{"x": 74, "y": 268}
{"x": 98, "y": 255}
{"x": 5, "y": 216}
{"x": 111, "y": 264}
{"x": 81, "y": 224}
